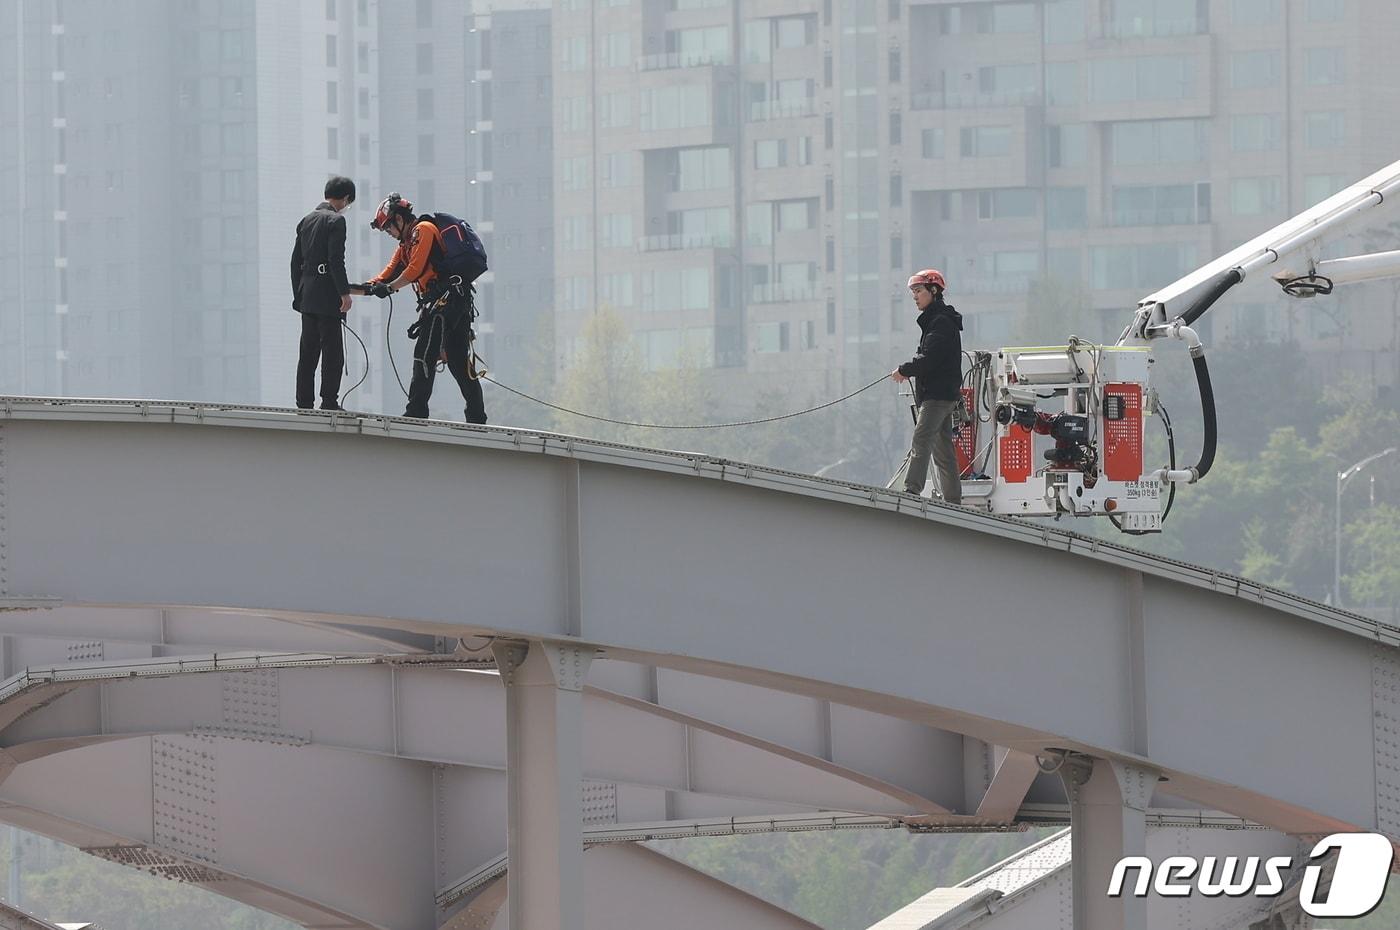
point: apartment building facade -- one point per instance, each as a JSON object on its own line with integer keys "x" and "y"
{"x": 749, "y": 182}
{"x": 510, "y": 120}
{"x": 162, "y": 155}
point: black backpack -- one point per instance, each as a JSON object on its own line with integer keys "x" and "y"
{"x": 462, "y": 254}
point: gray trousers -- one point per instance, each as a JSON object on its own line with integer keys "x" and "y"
{"x": 933, "y": 436}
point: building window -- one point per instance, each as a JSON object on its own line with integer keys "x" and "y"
{"x": 573, "y": 53}
{"x": 896, "y": 129}
{"x": 1256, "y": 132}
{"x": 796, "y": 215}
{"x": 425, "y": 149}
{"x": 1147, "y": 77}
{"x": 331, "y": 48}
{"x": 1161, "y": 205}
{"x": 574, "y": 173}
{"x": 332, "y": 143}
{"x": 1064, "y": 21}
{"x": 676, "y": 289}
{"x": 575, "y": 114}
{"x": 702, "y": 169}
{"x": 1322, "y": 66}
{"x": 616, "y": 50}
{"x": 1324, "y": 129}
{"x": 770, "y": 337}
{"x": 425, "y": 58}
{"x": 770, "y": 153}
{"x": 616, "y": 289}
{"x": 794, "y": 31}
{"x": 617, "y": 169}
{"x": 932, "y": 142}
{"x": 896, "y": 252}
{"x": 615, "y": 110}
{"x": 1062, "y": 83}
{"x": 1255, "y": 196}
{"x": 1158, "y": 142}
{"x": 894, "y": 66}
{"x": 425, "y": 13}
{"x": 1325, "y": 11}
{"x": 1130, "y": 18}
{"x": 425, "y": 103}
{"x": 985, "y": 141}
{"x": 615, "y": 231}
{"x": 1066, "y": 208}
{"x": 896, "y": 190}
{"x": 1066, "y": 145}
{"x": 677, "y": 107}
{"x": 330, "y": 10}
{"x": 1254, "y": 12}
{"x": 1139, "y": 267}
{"x": 1257, "y": 68}
{"x": 332, "y": 97}
{"x": 1006, "y": 203}
{"x": 1318, "y": 187}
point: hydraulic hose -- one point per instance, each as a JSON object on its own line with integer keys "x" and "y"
{"x": 1198, "y": 359}
{"x": 1217, "y": 290}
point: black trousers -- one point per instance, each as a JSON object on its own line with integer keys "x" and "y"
{"x": 449, "y": 331}
{"x": 321, "y": 341}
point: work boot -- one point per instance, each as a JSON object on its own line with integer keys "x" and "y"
{"x": 331, "y": 405}
{"x": 474, "y": 420}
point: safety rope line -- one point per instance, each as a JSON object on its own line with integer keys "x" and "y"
{"x": 734, "y": 423}
{"x": 363, "y": 348}
{"x": 482, "y": 374}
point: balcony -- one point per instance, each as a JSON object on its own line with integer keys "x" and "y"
{"x": 674, "y": 242}
{"x": 1161, "y": 216}
{"x": 761, "y": 110}
{"x": 667, "y": 61}
{"x": 782, "y": 293}
{"x": 1154, "y": 29}
{"x": 1001, "y": 285}
{"x": 950, "y": 100}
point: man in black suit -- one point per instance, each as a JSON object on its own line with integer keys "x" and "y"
{"x": 321, "y": 293}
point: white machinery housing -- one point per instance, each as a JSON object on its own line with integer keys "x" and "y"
{"x": 1060, "y": 430}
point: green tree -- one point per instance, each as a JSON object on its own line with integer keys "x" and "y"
{"x": 1373, "y": 540}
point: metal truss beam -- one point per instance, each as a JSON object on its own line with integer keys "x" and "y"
{"x": 306, "y": 699}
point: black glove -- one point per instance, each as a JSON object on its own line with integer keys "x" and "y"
{"x": 379, "y": 289}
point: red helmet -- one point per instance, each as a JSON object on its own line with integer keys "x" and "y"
{"x": 388, "y": 207}
{"x": 930, "y": 277}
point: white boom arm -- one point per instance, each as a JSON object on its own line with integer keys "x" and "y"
{"x": 1350, "y": 270}
{"x": 1285, "y": 239}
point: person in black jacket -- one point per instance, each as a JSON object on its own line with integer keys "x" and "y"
{"x": 321, "y": 294}
{"x": 937, "y": 372}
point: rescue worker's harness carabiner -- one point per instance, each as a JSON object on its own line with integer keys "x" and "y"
{"x": 432, "y": 310}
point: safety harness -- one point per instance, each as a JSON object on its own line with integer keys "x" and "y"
{"x": 432, "y": 311}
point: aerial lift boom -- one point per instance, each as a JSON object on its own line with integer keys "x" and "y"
{"x": 1086, "y": 458}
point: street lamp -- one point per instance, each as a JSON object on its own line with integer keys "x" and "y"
{"x": 1342, "y": 478}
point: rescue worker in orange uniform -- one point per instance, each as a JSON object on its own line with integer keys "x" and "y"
{"x": 444, "y": 320}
